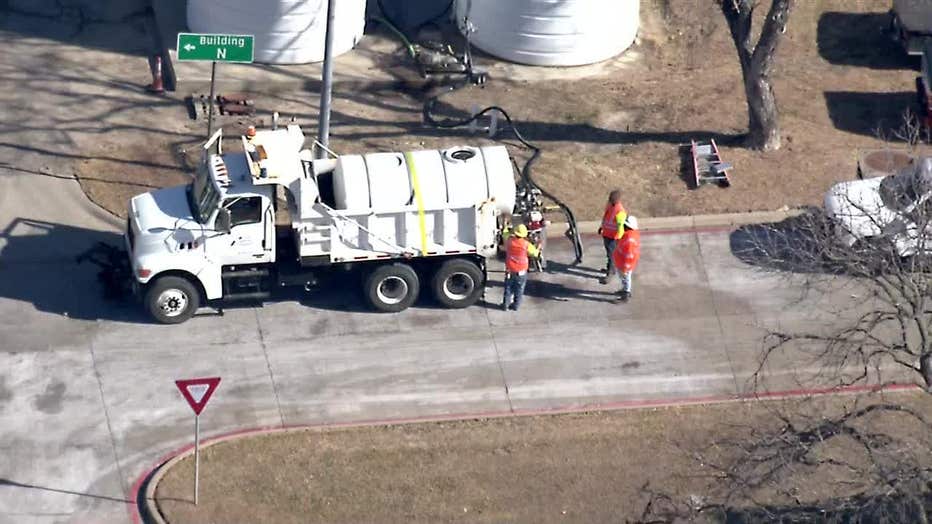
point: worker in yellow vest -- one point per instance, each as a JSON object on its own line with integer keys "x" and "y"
{"x": 518, "y": 251}
{"x": 611, "y": 230}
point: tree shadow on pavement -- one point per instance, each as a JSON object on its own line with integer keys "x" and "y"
{"x": 122, "y": 26}
{"x": 792, "y": 245}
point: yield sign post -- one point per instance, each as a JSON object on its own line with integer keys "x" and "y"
{"x": 197, "y": 391}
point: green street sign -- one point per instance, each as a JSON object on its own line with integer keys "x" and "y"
{"x": 215, "y": 48}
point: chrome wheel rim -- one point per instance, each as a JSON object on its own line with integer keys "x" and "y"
{"x": 172, "y": 302}
{"x": 392, "y": 290}
{"x": 458, "y": 286}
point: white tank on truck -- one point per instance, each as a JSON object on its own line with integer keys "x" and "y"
{"x": 393, "y": 221}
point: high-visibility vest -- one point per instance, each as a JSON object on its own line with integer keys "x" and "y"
{"x": 516, "y": 259}
{"x": 628, "y": 251}
{"x": 610, "y": 226}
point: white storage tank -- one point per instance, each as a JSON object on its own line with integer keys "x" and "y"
{"x": 459, "y": 177}
{"x": 551, "y": 32}
{"x": 286, "y": 31}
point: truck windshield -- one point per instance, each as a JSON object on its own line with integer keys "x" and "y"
{"x": 203, "y": 195}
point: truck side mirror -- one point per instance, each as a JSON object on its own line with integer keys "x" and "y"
{"x": 223, "y": 221}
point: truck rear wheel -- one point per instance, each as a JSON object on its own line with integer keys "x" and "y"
{"x": 392, "y": 288}
{"x": 172, "y": 300}
{"x": 457, "y": 283}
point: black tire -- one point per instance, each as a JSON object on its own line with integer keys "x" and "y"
{"x": 392, "y": 288}
{"x": 172, "y": 300}
{"x": 457, "y": 283}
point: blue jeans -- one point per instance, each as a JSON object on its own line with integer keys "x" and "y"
{"x": 609, "y": 244}
{"x": 514, "y": 287}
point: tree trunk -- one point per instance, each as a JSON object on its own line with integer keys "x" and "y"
{"x": 756, "y": 63}
{"x": 763, "y": 128}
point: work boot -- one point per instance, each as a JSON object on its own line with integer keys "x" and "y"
{"x": 623, "y": 296}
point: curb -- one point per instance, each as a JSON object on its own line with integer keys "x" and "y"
{"x": 150, "y": 479}
{"x": 688, "y": 223}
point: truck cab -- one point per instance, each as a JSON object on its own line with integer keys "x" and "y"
{"x": 190, "y": 233}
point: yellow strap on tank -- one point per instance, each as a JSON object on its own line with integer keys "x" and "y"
{"x": 422, "y": 221}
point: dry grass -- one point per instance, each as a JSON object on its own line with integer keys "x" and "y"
{"x": 579, "y": 468}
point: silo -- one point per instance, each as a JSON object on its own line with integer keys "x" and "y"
{"x": 551, "y": 32}
{"x": 286, "y": 31}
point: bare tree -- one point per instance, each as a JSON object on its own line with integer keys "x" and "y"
{"x": 870, "y": 460}
{"x": 757, "y": 60}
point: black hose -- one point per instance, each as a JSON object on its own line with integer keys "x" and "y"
{"x": 526, "y": 176}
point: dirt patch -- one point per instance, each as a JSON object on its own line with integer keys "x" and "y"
{"x": 578, "y": 468}
{"x": 839, "y": 81}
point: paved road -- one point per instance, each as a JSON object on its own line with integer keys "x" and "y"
{"x": 87, "y": 401}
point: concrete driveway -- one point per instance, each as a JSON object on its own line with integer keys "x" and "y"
{"x": 88, "y": 404}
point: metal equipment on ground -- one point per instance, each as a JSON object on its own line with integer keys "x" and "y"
{"x": 708, "y": 166}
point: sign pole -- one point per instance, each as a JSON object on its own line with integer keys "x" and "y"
{"x": 210, "y": 103}
{"x": 197, "y": 391}
{"x": 197, "y": 454}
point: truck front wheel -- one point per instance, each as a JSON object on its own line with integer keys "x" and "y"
{"x": 172, "y": 300}
{"x": 457, "y": 283}
{"x": 392, "y": 288}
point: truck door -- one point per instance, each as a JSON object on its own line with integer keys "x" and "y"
{"x": 250, "y": 240}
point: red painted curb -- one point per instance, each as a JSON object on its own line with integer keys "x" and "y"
{"x": 136, "y": 515}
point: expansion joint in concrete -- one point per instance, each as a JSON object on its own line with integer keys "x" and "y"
{"x": 498, "y": 360}
{"x": 103, "y": 402}
{"x": 715, "y": 310}
{"x": 268, "y": 365}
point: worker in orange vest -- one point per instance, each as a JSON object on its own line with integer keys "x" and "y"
{"x": 611, "y": 229}
{"x": 517, "y": 252}
{"x": 626, "y": 255}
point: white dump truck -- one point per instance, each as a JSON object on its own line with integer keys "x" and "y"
{"x": 269, "y": 215}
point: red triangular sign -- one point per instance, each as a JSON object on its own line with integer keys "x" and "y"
{"x": 197, "y": 391}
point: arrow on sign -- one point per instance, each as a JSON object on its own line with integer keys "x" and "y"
{"x": 189, "y": 47}
{"x": 197, "y": 391}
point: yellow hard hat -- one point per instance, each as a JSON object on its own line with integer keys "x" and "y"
{"x": 521, "y": 231}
